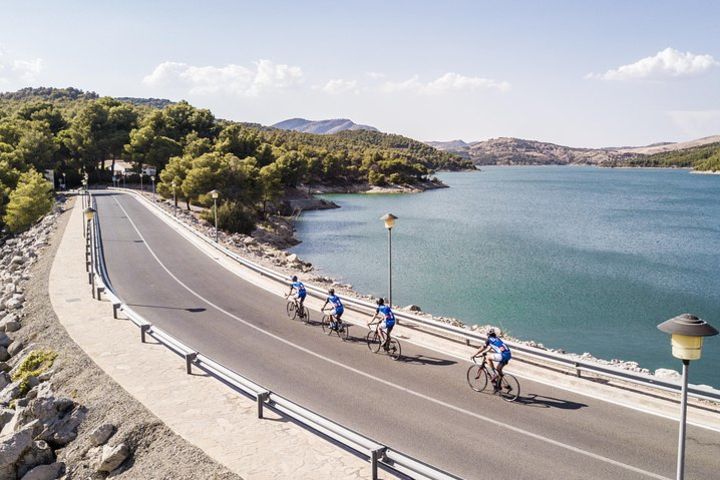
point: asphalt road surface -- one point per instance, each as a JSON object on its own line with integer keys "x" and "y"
{"x": 420, "y": 405}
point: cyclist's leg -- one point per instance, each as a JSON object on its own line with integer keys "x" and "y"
{"x": 338, "y": 319}
{"x": 387, "y": 340}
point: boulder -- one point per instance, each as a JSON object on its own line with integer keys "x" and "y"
{"x": 412, "y": 308}
{"x": 102, "y": 434}
{"x": 6, "y": 414}
{"x": 45, "y": 472}
{"x": 9, "y": 393}
{"x": 39, "y": 453}
{"x": 17, "y": 260}
{"x": 13, "y": 304}
{"x": 12, "y": 449}
{"x": 5, "y": 341}
{"x": 15, "y": 348}
{"x": 666, "y": 373}
{"x": 4, "y": 355}
{"x": 10, "y": 324}
{"x": 113, "y": 457}
{"x": 4, "y": 379}
{"x": 292, "y": 258}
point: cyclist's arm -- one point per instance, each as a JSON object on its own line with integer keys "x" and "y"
{"x": 324, "y": 305}
{"x": 480, "y": 351}
{"x": 291, "y": 290}
{"x": 372, "y": 320}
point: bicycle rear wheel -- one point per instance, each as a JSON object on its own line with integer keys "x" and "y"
{"x": 394, "y": 349}
{"x": 373, "y": 341}
{"x": 306, "y": 315}
{"x": 477, "y": 378}
{"x": 291, "y": 310}
{"x": 509, "y": 387}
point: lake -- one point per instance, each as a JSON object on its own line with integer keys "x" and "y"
{"x": 580, "y": 258}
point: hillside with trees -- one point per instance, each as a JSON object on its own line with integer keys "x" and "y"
{"x": 75, "y": 133}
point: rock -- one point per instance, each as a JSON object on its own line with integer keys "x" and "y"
{"x": 113, "y": 457}
{"x": 6, "y": 414}
{"x": 9, "y": 393}
{"x": 45, "y": 472}
{"x": 15, "y": 348}
{"x": 666, "y": 373}
{"x": 13, "y": 304}
{"x": 12, "y": 448}
{"x": 292, "y": 258}
{"x": 5, "y": 341}
{"x": 4, "y": 355}
{"x": 17, "y": 260}
{"x": 412, "y": 308}
{"x": 101, "y": 434}
{"x": 4, "y": 367}
{"x": 39, "y": 453}
{"x": 249, "y": 241}
{"x": 4, "y": 379}
{"x": 10, "y": 325}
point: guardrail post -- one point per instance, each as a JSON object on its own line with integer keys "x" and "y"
{"x": 143, "y": 330}
{"x": 189, "y": 359}
{"x": 99, "y": 291}
{"x": 578, "y": 372}
{"x": 261, "y": 399}
{"x": 116, "y": 306}
{"x": 375, "y": 457}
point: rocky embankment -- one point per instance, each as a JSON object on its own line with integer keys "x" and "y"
{"x": 266, "y": 247}
{"x": 60, "y": 415}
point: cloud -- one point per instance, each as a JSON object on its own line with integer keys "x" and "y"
{"x": 338, "y": 86}
{"x": 668, "y": 63}
{"x": 449, "y": 82}
{"x": 263, "y": 76}
{"x": 16, "y": 70}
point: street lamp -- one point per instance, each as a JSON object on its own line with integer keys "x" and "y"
{"x": 152, "y": 179}
{"x": 174, "y": 185}
{"x": 389, "y": 220}
{"x": 215, "y": 194}
{"x": 89, "y": 213}
{"x": 64, "y": 182}
{"x": 687, "y": 332}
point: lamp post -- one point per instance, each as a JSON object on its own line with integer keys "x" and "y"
{"x": 152, "y": 179}
{"x": 389, "y": 220}
{"x": 64, "y": 182}
{"x": 687, "y": 332}
{"x": 215, "y": 194}
{"x": 174, "y": 186}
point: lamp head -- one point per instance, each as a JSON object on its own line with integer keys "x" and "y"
{"x": 389, "y": 220}
{"x": 152, "y": 177}
{"x": 687, "y": 332}
{"x": 89, "y": 213}
{"x": 214, "y": 194}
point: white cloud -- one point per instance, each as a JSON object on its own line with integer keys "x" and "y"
{"x": 27, "y": 70}
{"x": 449, "y": 82}
{"x": 668, "y": 63}
{"x": 263, "y": 76}
{"x": 16, "y": 70}
{"x": 375, "y": 75}
{"x": 338, "y": 86}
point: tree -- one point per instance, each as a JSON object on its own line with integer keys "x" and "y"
{"x": 43, "y": 112}
{"x": 270, "y": 185}
{"x": 237, "y": 140}
{"x": 207, "y": 172}
{"x": 175, "y": 171}
{"x": 31, "y": 199}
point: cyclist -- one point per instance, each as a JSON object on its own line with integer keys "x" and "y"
{"x": 386, "y": 322}
{"x": 501, "y": 356}
{"x": 300, "y": 292}
{"x": 336, "y": 312}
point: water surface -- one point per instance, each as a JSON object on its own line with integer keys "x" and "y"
{"x": 585, "y": 259}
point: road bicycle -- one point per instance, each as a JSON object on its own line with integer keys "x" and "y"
{"x": 294, "y": 311}
{"x": 341, "y": 328}
{"x": 375, "y": 341}
{"x": 478, "y": 377}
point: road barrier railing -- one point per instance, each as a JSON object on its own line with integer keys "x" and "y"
{"x": 520, "y": 351}
{"x": 379, "y": 455}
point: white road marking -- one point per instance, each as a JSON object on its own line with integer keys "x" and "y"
{"x": 387, "y": 383}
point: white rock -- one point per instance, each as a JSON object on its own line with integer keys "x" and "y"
{"x": 113, "y": 457}
{"x": 45, "y": 472}
{"x": 101, "y": 434}
{"x": 666, "y": 373}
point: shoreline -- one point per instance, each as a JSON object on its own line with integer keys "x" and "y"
{"x": 269, "y": 254}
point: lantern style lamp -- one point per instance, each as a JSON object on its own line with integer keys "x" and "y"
{"x": 389, "y": 220}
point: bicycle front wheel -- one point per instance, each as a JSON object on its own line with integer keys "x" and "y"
{"x": 325, "y": 324}
{"x": 306, "y": 315}
{"x": 477, "y": 378}
{"x": 291, "y": 310}
{"x": 373, "y": 341}
{"x": 509, "y": 387}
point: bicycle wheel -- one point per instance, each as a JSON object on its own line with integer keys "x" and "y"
{"x": 373, "y": 341}
{"x": 477, "y": 378}
{"x": 325, "y": 324}
{"x": 291, "y": 310}
{"x": 394, "y": 349}
{"x": 344, "y": 332}
{"x": 509, "y": 387}
{"x": 306, "y": 315}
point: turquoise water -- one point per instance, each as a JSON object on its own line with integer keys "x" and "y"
{"x": 580, "y": 258}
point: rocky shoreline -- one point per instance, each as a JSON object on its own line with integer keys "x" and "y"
{"x": 267, "y": 248}
{"x": 60, "y": 415}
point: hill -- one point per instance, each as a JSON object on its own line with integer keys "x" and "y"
{"x": 321, "y": 127}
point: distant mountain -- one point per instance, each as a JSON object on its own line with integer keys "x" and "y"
{"x": 517, "y": 151}
{"x": 321, "y": 126}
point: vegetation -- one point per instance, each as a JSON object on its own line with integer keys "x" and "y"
{"x": 75, "y": 133}
{"x": 37, "y": 362}
{"x": 704, "y": 157}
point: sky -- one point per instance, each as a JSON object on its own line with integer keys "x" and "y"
{"x": 586, "y": 74}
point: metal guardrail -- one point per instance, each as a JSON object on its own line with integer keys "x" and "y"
{"x": 525, "y": 351}
{"x": 378, "y": 454}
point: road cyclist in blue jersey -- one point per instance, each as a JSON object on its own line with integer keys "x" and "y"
{"x": 500, "y": 357}
{"x": 335, "y": 312}
{"x": 300, "y": 292}
{"x": 385, "y": 322}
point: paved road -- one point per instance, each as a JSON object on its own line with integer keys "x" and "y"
{"x": 420, "y": 406}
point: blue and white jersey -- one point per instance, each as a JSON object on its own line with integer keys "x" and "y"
{"x": 387, "y": 313}
{"x": 335, "y": 301}
{"x": 498, "y": 346}
{"x": 300, "y": 288}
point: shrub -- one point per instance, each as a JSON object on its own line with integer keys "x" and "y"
{"x": 232, "y": 217}
{"x": 37, "y": 362}
{"x": 31, "y": 199}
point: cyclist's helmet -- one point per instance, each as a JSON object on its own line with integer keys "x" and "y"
{"x": 491, "y": 333}
{"x": 380, "y": 301}
{"x": 331, "y": 291}
{"x": 294, "y": 278}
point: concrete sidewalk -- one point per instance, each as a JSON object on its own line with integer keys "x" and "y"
{"x": 199, "y": 408}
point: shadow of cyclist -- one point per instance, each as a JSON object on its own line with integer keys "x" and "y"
{"x": 541, "y": 401}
